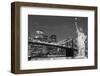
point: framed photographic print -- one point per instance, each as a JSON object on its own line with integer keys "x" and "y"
{"x": 52, "y": 37}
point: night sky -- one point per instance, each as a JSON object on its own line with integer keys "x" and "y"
{"x": 62, "y": 26}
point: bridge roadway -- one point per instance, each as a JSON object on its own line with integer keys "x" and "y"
{"x": 51, "y": 44}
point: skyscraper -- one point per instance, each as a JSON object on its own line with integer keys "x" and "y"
{"x": 53, "y": 38}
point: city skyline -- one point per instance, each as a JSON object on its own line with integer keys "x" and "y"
{"x": 63, "y": 27}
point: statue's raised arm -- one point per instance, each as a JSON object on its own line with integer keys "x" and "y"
{"x": 77, "y": 30}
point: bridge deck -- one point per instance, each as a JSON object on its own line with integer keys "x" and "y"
{"x": 49, "y": 44}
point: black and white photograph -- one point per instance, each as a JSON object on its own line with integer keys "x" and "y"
{"x": 57, "y": 37}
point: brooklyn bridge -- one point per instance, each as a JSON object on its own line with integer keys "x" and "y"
{"x": 40, "y": 48}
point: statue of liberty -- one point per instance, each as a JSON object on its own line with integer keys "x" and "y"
{"x": 81, "y": 37}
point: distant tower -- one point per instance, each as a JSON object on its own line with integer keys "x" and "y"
{"x": 45, "y": 38}
{"x": 29, "y": 37}
{"x": 53, "y": 38}
{"x": 39, "y": 35}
